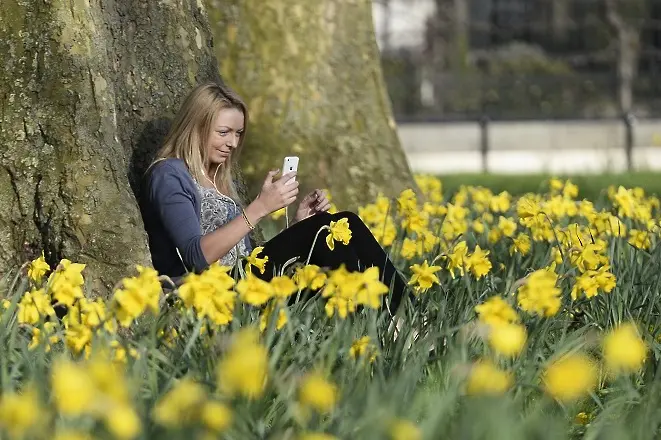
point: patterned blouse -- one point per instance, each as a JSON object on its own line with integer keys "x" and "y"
{"x": 216, "y": 210}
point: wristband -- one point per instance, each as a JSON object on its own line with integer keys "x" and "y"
{"x": 245, "y": 217}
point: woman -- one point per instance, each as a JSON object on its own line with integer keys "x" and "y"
{"x": 192, "y": 212}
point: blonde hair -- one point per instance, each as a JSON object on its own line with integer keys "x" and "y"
{"x": 190, "y": 131}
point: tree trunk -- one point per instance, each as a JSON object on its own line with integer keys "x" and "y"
{"x": 448, "y": 43}
{"x": 461, "y": 37}
{"x": 86, "y": 92}
{"x": 626, "y": 18}
{"x": 560, "y": 20}
{"x": 310, "y": 74}
{"x": 385, "y": 26}
{"x": 89, "y": 87}
{"x": 627, "y": 66}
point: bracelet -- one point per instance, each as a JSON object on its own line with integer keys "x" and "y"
{"x": 245, "y": 217}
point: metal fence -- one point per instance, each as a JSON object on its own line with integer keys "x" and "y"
{"x": 510, "y": 146}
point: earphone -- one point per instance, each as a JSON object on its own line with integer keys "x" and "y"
{"x": 236, "y": 207}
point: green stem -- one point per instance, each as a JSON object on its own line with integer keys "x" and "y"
{"x": 307, "y": 261}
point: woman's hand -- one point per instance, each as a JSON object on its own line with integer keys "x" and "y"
{"x": 277, "y": 194}
{"x": 312, "y": 204}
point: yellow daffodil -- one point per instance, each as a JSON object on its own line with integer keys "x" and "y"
{"x": 210, "y": 294}
{"x": 216, "y": 416}
{"x": 431, "y": 187}
{"x": 254, "y": 291}
{"x": 402, "y": 429}
{"x": 363, "y": 347}
{"x": 180, "y": 404}
{"x": 254, "y": 260}
{"x": 309, "y": 277}
{"x": 122, "y": 422}
{"x": 571, "y": 377}
{"x": 283, "y": 286}
{"x": 266, "y": 315}
{"x": 73, "y": 389}
{"x": 507, "y": 226}
{"x": 424, "y": 276}
{"x": 339, "y": 231}
{"x": 487, "y": 378}
{"x": 243, "y": 369}
{"x": 318, "y": 393}
{"x": 66, "y": 282}
{"x": 406, "y": 203}
{"x": 277, "y": 214}
{"x": 640, "y": 239}
{"x": 624, "y": 349}
{"x": 34, "y": 305}
{"x": 496, "y": 311}
{"x": 139, "y": 294}
{"x": 539, "y": 295}
{"x": 521, "y": 245}
{"x": 38, "y": 337}
{"x": 410, "y": 249}
{"x": 317, "y": 436}
{"x": 507, "y": 339}
{"x": 589, "y": 283}
{"x": 38, "y": 268}
{"x": 478, "y": 262}
{"x": 456, "y": 259}
{"x": 20, "y": 412}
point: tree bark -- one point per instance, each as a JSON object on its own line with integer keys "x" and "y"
{"x": 86, "y": 93}
{"x": 311, "y": 76}
{"x": 448, "y": 44}
{"x": 384, "y": 25}
{"x": 625, "y": 18}
{"x": 560, "y": 20}
{"x": 460, "y": 43}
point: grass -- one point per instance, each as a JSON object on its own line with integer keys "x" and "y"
{"x": 591, "y": 187}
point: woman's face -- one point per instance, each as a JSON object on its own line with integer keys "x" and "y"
{"x": 226, "y": 132}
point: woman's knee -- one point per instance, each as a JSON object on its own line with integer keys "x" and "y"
{"x": 318, "y": 220}
{"x": 350, "y": 215}
{"x": 324, "y": 218}
{"x": 355, "y": 222}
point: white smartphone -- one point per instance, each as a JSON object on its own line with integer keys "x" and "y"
{"x": 290, "y": 164}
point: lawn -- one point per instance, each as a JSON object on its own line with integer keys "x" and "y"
{"x": 591, "y": 187}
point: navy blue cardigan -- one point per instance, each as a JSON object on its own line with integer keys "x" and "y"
{"x": 171, "y": 215}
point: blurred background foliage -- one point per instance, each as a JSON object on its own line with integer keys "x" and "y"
{"x": 520, "y": 59}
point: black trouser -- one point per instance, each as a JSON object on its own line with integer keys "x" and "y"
{"x": 362, "y": 252}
